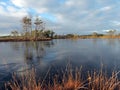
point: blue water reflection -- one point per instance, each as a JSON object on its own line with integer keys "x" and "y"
{"x": 89, "y": 53}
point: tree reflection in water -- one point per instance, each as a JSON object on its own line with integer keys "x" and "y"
{"x": 33, "y": 52}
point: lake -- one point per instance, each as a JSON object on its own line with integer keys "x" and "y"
{"x": 91, "y": 54}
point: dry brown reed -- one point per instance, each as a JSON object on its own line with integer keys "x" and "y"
{"x": 70, "y": 81}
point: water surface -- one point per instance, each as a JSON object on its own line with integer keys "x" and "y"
{"x": 56, "y": 54}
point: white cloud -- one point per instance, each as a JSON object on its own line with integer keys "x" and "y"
{"x": 2, "y": 11}
{"x": 11, "y": 11}
{"x": 41, "y": 10}
{"x": 19, "y": 3}
{"x": 116, "y": 23}
{"x": 18, "y": 13}
{"x": 3, "y": 3}
{"x": 69, "y": 3}
{"x": 71, "y": 16}
{"x": 106, "y": 8}
{"x": 60, "y": 17}
{"x": 10, "y": 17}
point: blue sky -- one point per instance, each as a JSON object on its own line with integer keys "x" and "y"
{"x": 62, "y": 16}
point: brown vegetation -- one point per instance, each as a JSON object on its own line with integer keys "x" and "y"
{"x": 70, "y": 81}
{"x": 19, "y": 38}
{"x": 99, "y": 36}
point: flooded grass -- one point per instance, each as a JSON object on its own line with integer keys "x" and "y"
{"x": 98, "y": 80}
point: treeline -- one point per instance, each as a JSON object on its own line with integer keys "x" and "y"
{"x": 32, "y": 30}
{"x": 108, "y": 34}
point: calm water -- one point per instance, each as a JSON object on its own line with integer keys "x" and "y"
{"x": 56, "y": 54}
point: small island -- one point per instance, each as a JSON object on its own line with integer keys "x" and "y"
{"x": 32, "y": 31}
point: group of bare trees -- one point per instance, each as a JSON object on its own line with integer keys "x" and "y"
{"x": 28, "y": 25}
{"x": 15, "y": 33}
{"x": 33, "y": 29}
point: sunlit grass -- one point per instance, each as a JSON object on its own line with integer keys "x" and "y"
{"x": 70, "y": 81}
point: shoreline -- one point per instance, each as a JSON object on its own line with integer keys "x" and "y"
{"x": 11, "y": 39}
{"x": 20, "y": 40}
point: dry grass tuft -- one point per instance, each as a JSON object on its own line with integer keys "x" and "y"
{"x": 70, "y": 81}
{"x": 100, "y": 81}
{"x": 24, "y": 82}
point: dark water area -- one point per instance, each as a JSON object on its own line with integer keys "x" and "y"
{"x": 55, "y": 55}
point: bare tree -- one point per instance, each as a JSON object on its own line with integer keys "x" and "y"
{"x": 27, "y": 25}
{"x": 38, "y": 26}
{"x": 14, "y": 33}
{"x": 111, "y": 32}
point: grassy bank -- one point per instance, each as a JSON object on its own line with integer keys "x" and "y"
{"x": 69, "y": 81}
{"x": 101, "y": 37}
{"x": 18, "y": 39}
